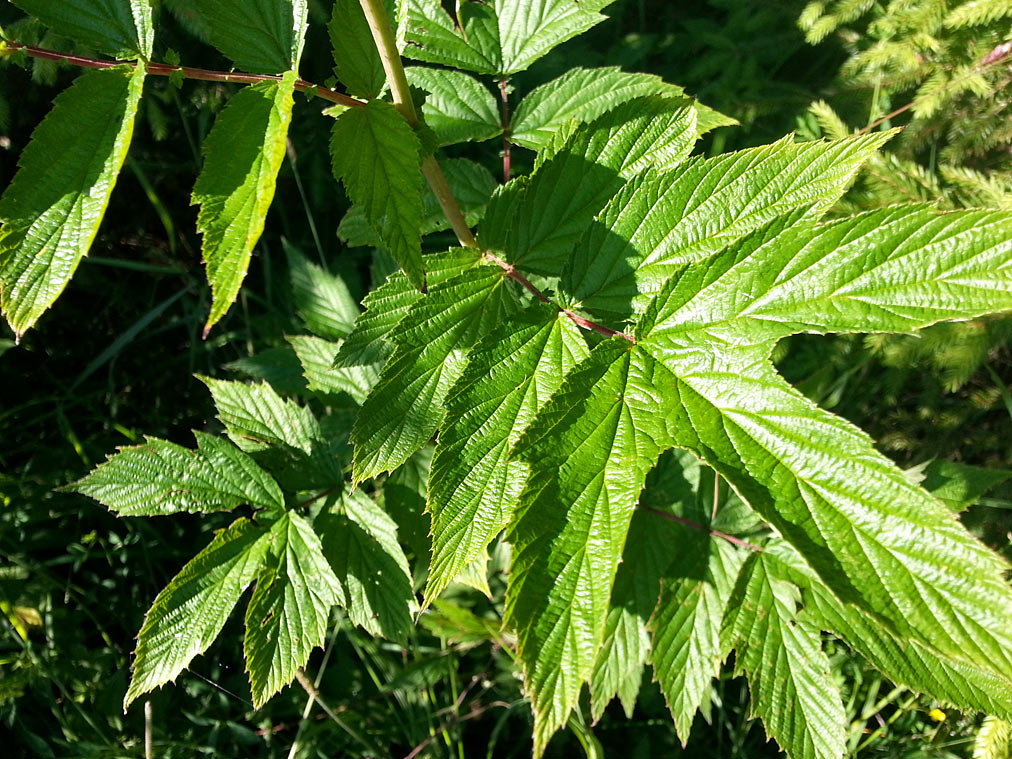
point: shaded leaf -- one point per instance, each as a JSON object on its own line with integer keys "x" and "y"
{"x": 261, "y": 36}
{"x": 120, "y": 27}
{"x": 360, "y": 541}
{"x": 51, "y": 211}
{"x": 377, "y": 156}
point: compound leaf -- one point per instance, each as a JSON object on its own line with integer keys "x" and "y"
{"x": 242, "y": 157}
{"x": 474, "y": 488}
{"x": 261, "y": 36}
{"x": 189, "y": 613}
{"x": 458, "y": 108}
{"x": 288, "y": 614}
{"x": 377, "y": 157}
{"x": 52, "y": 209}
{"x": 160, "y": 477}
{"x": 361, "y": 544}
{"x": 120, "y": 27}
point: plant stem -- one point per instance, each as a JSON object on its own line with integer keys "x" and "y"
{"x": 383, "y": 36}
{"x": 696, "y": 526}
{"x": 163, "y": 69}
{"x": 506, "y": 155}
{"x": 313, "y": 693}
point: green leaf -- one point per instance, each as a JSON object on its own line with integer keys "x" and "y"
{"x": 405, "y": 408}
{"x": 321, "y": 299}
{"x": 52, "y": 209}
{"x": 261, "y": 36}
{"x": 687, "y": 649}
{"x": 242, "y": 157}
{"x": 327, "y": 380}
{"x": 357, "y": 61}
{"x": 500, "y": 38}
{"x": 908, "y": 663}
{"x": 377, "y": 156}
{"x": 189, "y": 613}
{"x": 361, "y": 544}
{"x": 474, "y": 488}
{"x": 788, "y": 674}
{"x": 879, "y": 541}
{"x": 120, "y": 27}
{"x": 160, "y": 477}
{"x": 431, "y": 35}
{"x": 673, "y": 488}
{"x": 387, "y": 305}
{"x": 893, "y": 270}
{"x": 959, "y": 486}
{"x": 661, "y": 222}
{"x": 529, "y": 29}
{"x": 279, "y": 367}
{"x": 472, "y": 186}
{"x": 536, "y": 221}
{"x": 282, "y": 436}
{"x": 581, "y": 94}
{"x": 589, "y": 450}
{"x": 458, "y": 107}
{"x": 289, "y": 612}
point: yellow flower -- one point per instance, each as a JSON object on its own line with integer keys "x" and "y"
{"x": 937, "y": 715}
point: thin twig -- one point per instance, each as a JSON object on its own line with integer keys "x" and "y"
{"x": 310, "y": 688}
{"x": 318, "y": 496}
{"x": 474, "y": 713}
{"x": 164, "y": 69}
{"x": 506, "y": 146}
{"x": 914, "y": 103}
{"x": 696, "y": 526}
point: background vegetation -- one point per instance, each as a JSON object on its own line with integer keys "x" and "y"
{"x": 117, "y": 356}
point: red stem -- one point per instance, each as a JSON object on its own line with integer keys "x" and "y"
{"x": 696, "y": 526}
{"x": 163, "y": 69}
{"x": 580, "y": 321}
{"x": 506, "y": 157}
